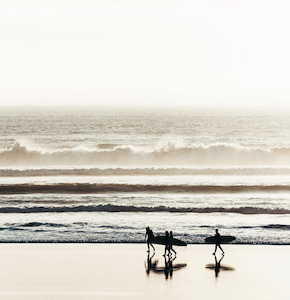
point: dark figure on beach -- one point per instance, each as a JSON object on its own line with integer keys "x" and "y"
{"x": 218, "y": 242}
{"x": 170, "y": 243}
{"x": 149, "y": 237}
{"x": 167, "y": 244}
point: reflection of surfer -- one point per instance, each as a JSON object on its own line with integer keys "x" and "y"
{"x": 149, "y": 236}
{"x": 170, "y": 265}
{"x": 168, "y": 268}
{"x": 217, "y": 266}
{"x": 170, "y": 243}
{"x": 218, "y": 242}
{"x": 150, "y": 265}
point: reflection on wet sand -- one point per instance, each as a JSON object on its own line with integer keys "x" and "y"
{"x": 168, "y": 268}
{"x": 217, "y": 266}
{"x": 149, "y": 265}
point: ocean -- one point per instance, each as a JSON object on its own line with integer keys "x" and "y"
{"x": 104, "y": 174}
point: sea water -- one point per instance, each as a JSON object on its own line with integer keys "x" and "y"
{"x": 104, "y": 174}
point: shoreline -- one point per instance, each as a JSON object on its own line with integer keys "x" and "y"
{"x": 131, "y": 243}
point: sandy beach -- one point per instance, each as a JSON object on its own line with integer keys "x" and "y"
{"x": 120, "y": 271}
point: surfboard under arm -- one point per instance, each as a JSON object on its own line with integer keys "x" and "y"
{"x": 161, "y": 240}
{"x": 224, "y": 239}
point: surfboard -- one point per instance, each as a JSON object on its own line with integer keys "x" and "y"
{"x": 224, "y": 239}
{"x": 161, "y": 241}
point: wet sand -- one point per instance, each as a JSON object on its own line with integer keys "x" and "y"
{"x": 120, "y": 271}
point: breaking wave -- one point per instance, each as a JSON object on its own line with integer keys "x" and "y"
{"x": 121, "y": 208}
{"x": 170, "y": 154}
{"x": 88, "y": 188}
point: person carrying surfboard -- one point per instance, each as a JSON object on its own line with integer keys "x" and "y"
{"x": 218, "y": 242}
{"x": 149, "y": 236}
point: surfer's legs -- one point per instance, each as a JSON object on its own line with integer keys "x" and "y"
{"x": 221, "y": 249}
{"x": 215, "y": 249}
{"x": 165, "y": 250}
{"x": 148, "y": 245}
{"x": 174, "y": 251}
{"x": 218, "y": 245}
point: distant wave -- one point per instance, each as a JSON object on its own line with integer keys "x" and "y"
{"x": 170, "y": 154}
{"x": 268, "y": 226}
{"x": 141, "y": 171}
{"x": 87, "y": 188}
{"x": 39, "y": 224}
{"x": 277, "y": 226}
{"x": 120, "y": 208}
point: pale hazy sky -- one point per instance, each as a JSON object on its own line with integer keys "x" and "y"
{"x": 206, "y": 52}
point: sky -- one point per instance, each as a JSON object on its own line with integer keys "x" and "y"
{"x": 155, "y": 52}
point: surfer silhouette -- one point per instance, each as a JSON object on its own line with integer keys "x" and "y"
{"x": 167, "y": 244}
{"x": 170, "y": 243}
{"x": 149, "y": 238}
{"x": 218, "y": 242}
